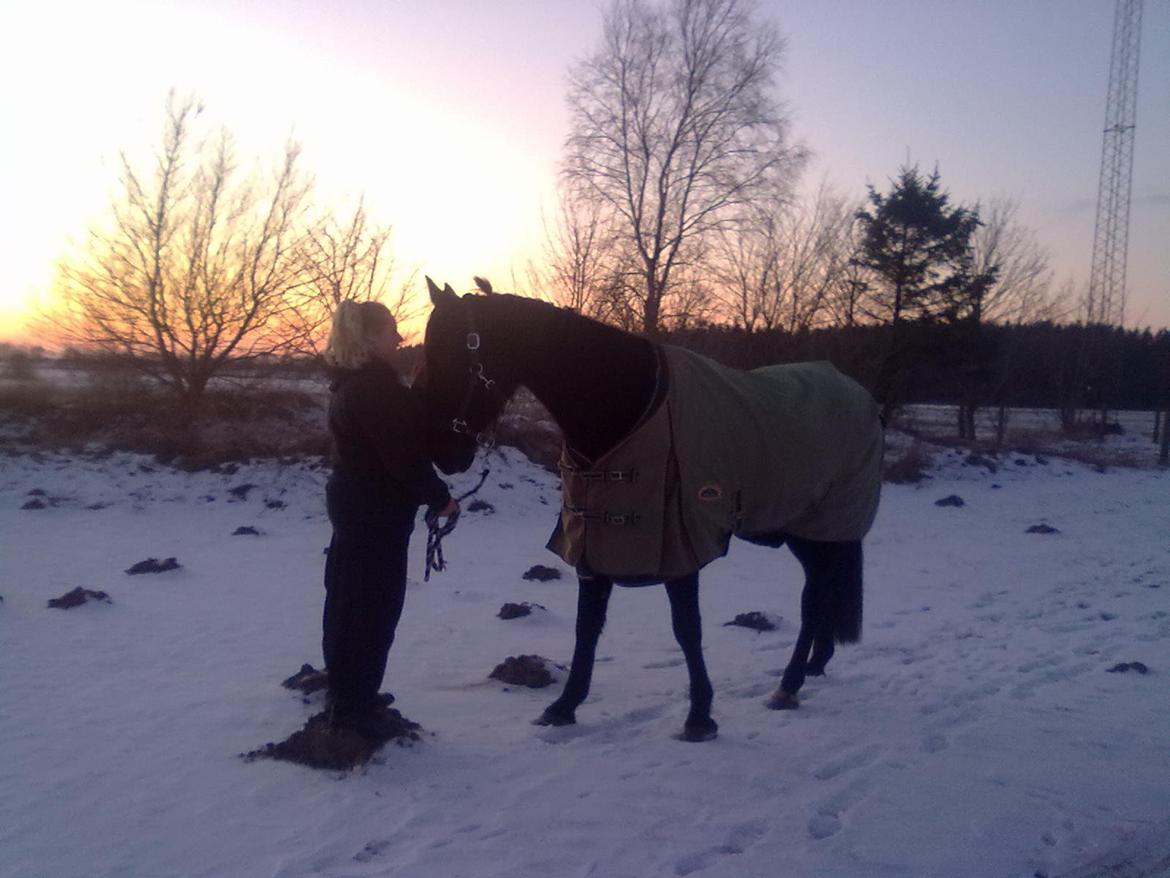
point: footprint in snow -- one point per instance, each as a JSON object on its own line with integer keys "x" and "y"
{"x": 850, "y": 761}
{"x": 372, "y": 850}
{"x": 823, "y": 826}
{"x": 669, "y": 663}
{"x": 935, "y": 743}
{"x": 1058, "y": 674}
{"x": 739, "y": 839}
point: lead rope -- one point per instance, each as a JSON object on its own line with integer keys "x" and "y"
{"x": 435, "y": 533}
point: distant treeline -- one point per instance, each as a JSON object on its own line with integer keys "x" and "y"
{"x": 1040, "y": 365}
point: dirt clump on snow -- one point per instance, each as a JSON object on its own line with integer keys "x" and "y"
{"x": 77, "y": 597}
{"x": 541, "y": 573}
{"x": 1126, "y": 667}
{"x": 755, "y": 620}
{"x": 307, "y": 680}
{"x": 333, "y": 747}
{"x": 153, "y": 565}
{"x": 518, "y": 611}
{"x": 1042, "y": 529}
{"x": 525, "y": 670}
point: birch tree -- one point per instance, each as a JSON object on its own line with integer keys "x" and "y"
{"x": 674, "y": 126}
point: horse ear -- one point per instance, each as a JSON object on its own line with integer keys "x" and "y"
{"x": 484, "y": 285}
{"x": 447, "y": 291}
{"x": 438, "y": 295}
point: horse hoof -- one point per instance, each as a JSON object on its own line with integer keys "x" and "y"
{"x": 782, "y": 700}
{"x": 700, "y": 731}
{"x": 555, "y": 718}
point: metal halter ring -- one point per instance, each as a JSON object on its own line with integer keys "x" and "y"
{"x": 483, "y": 439}
{"x": 477, "y": 371}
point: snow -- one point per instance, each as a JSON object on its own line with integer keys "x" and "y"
{"x": 975, "y": 731}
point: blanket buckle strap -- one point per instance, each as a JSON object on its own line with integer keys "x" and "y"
{"x": 610, "y": 475}
{"x": 602, "y": 516}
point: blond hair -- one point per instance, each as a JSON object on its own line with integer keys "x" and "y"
{"x": 354, "y": 326}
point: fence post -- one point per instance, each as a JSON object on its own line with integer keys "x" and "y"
{"x": 1164, "y": 451}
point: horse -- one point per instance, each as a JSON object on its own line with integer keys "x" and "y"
{"x": 601, "y": 385}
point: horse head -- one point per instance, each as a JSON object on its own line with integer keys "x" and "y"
{"x": 466, "y": 379}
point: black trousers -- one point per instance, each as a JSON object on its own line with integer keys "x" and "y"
{"x": 365, "y": 585}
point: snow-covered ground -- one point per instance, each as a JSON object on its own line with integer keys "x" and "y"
{"x": 976, "y": 730}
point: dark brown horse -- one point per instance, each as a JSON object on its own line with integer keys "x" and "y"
{"x": 599, "y": 383}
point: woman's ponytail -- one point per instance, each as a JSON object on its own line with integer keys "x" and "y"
{"x": 348, "y": 347}
{"x": 355, "y": 324}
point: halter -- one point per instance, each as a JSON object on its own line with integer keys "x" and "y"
{"x": 485, "y": 439}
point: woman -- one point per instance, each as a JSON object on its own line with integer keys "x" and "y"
{"x": 382, "y": 474}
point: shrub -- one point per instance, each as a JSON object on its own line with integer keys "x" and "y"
{"x": 909, "y": 467}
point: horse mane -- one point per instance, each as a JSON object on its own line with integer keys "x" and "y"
{"x": 568, "y": 326}
{"x": 595, "y": 380}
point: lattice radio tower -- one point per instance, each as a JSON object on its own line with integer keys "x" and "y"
{"x": 1111, "y": 236}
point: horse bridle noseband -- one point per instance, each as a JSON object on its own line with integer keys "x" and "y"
{"x": 483, "y": 438}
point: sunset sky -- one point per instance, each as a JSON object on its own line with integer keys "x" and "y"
{"x": 449, "y": 114}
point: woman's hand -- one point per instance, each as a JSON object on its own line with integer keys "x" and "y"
{"x": 449, "y": 512}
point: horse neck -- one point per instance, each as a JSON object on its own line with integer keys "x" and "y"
{"x": 596, "y": 381}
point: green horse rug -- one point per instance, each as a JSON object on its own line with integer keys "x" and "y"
{"x": 792, "y": 450}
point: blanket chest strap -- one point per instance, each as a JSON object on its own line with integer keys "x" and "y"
{"x": 603, "y": 516}
{"x": 609, "y": 475}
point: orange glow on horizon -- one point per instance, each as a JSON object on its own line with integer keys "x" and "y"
{"x": 461, "y": 193}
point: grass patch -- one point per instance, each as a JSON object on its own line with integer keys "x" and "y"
{"x": 103, "y": 416}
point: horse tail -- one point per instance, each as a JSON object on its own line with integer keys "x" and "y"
{"x": 832, "y": 592}
{"x": 846, "y": 603}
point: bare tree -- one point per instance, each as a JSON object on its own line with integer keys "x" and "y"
{"x": 1017, "y": 289}
{"x": 675, "y": 126}
{"x": 1021, "y": 291}
{"x": 195, "y": 264}
{"x": 339, "y": 261}
{"x": 782, "y": 267}
{"x": 743, "y": 265}
{"x": 617, "y": 299}
{"x": 845, "y": 304}
{"x": 579, "y": 252}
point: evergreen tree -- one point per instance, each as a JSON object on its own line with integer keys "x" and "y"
{"x": 916, "y": 249}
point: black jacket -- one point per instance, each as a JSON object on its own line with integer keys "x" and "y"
{"x": 381, "y": 466}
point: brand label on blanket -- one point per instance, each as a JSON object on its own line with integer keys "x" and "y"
{"x": 710, "y": 493}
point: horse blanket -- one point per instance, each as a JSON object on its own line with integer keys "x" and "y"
{"x": 783, "y": 450}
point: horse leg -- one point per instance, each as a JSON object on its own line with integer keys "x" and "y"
{"x": 784, "y": 698}
{"x": 830, "y": 610}
{"x": 592, "y": 599}
{"x": 688, "y": 631}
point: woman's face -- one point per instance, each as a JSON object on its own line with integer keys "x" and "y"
{"x": 386, "y": 341}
